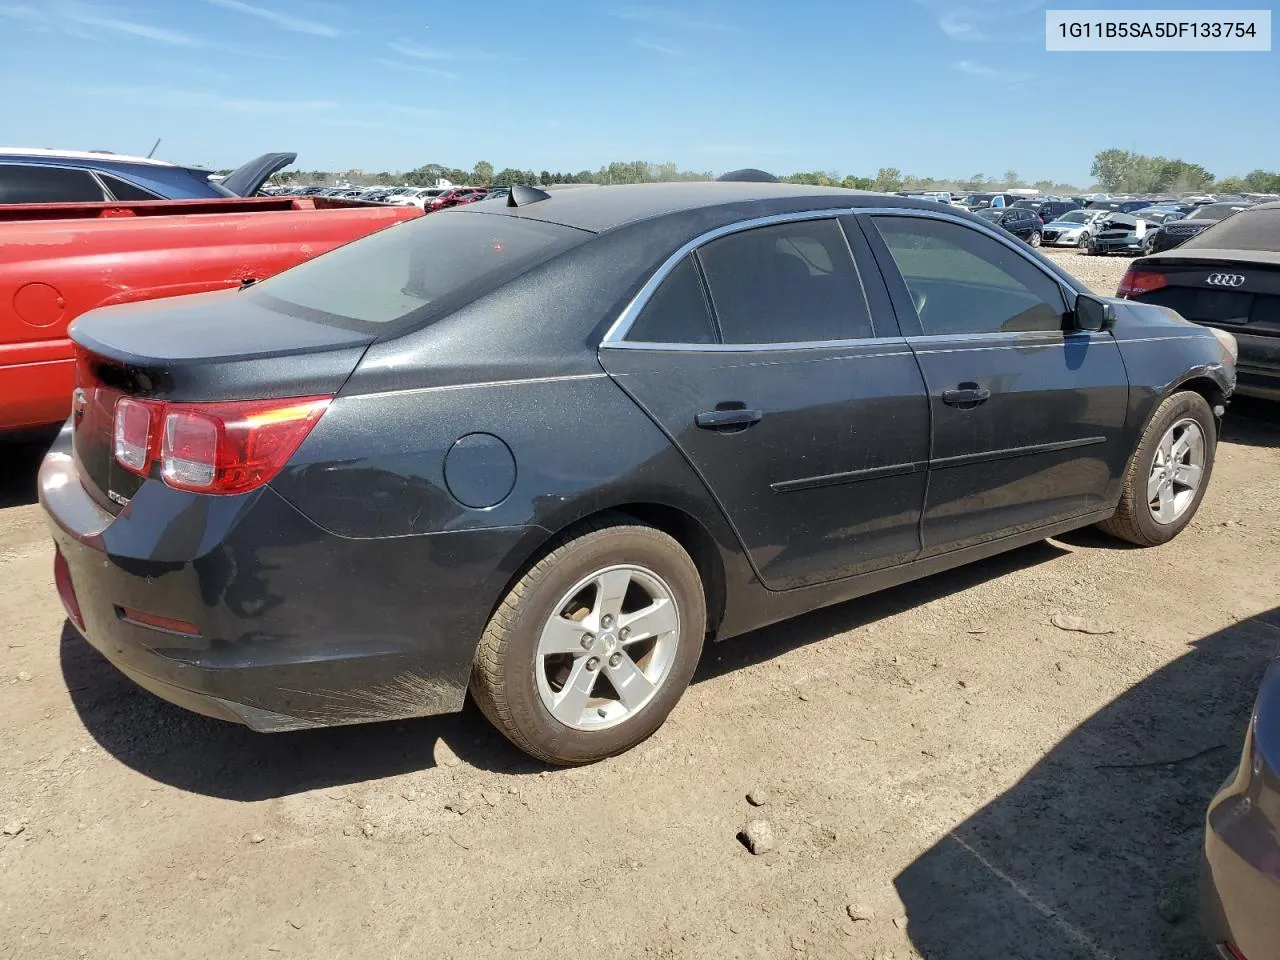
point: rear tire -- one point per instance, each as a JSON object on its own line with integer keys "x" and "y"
{"x": 1035, "y": 238}
{"x": 1157, "y": 500}
{"x": 556, "y": 671}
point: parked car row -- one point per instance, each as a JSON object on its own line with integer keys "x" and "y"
{"x": 429, "y": 199}
{"x": 1098, "y": 223}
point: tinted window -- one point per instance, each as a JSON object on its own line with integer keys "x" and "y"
{"x": 1247, "y": 230}
{"x": 419, "y": 270}
{"x": 20, "y": 183}
{"x": 124, "y": 190}
{"x": 791, "y": 283}
{"x": 963, "y": 281}
{"x": 677, "y": 312}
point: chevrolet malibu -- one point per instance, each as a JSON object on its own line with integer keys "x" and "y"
{"x": 542, "y": 449}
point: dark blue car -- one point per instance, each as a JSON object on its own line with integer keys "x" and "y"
{"x": 64, "y": 176}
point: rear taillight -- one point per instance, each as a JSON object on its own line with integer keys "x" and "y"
{"x": 219, "y": 448}
{"x": 1137, "y": 282}
{"x": 133, "y": 434}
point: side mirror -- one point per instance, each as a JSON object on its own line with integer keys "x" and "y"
{"x": 1093, "y": 314}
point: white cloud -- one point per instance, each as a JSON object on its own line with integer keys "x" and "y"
{"x": 975, "y": 69}
{"x": 11, "y": 11}
{"x": 665, "y": 49}
{"x": 415, "y": 68}
{"x": 957, "y": 28}
{"x": 419, "y": 52}
{"x": 165, "y": 97}
{"x": 146, "y": 31}
{"x": 985, "y": 20}
{"x": 296, "y": 24}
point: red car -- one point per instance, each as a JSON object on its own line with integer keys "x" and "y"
{"x": 59, "y": 260}
{"x": 455, "y": 196}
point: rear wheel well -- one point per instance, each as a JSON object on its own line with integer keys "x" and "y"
{"x": 699, "y": 544}
{"x": 675, "y": 523}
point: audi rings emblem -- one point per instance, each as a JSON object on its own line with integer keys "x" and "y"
{"x": 1225, "y": 280}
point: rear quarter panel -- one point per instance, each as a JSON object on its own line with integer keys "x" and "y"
{"x": 53, "y": 271}
{"x": 375, "y": 467}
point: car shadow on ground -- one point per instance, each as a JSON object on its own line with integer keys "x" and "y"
{"x": 1252, "y": 422}
{"x": 220, "y": 759}
{"x": 1093, "y": 854}
{"x": 19, "y": 464}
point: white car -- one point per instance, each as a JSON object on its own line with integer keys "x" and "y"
{"x": 415, "y": 196}
{"x": 1073, "y": 228}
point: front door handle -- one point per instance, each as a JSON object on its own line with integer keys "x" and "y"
{"x": 737, "y": 417}
{"x": 966, "y": 395}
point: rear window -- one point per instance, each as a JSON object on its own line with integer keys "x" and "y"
{"x": 1213, "y": 211}
{"x": 415, "y": 272}
{"x": 1247, "y": 230}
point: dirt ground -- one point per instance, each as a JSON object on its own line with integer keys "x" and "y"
{"x": 940, "y": 762}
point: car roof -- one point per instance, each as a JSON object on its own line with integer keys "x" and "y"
{"x": 41, "y": 153}
{"x": 608, "y": 208}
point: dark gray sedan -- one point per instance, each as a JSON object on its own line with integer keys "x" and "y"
{"x": 542, "y": 449}
{"x": 1240, "y": 881}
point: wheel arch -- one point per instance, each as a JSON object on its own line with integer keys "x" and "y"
{"x": 680, "y": 524}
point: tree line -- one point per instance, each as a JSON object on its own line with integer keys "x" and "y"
{"x": 1114, "y": 170}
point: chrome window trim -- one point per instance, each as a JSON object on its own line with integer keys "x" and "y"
{"x": 615, "y": 336}
{"x": 762, "y": 347}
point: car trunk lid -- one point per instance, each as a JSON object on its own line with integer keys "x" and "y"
{"x": 210, "y": 347}
{"x": 1228, "y": 293}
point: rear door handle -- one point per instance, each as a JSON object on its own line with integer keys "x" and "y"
{"x": 728, "y": 419}
{"x": 967, "y": 394}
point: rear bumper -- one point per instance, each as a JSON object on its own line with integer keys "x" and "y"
{"x": 296, "y": 627}
{"x": 1258, "y": 368}
{"x": 1131, "y": 244}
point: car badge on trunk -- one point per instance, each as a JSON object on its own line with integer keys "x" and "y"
{"x": 1225, "y": 280}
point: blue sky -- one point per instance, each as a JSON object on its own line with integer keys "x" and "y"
{"x": 933, "y": 87}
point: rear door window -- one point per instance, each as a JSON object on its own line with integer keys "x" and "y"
{"x": 126, "y": 191}
{"x": 28, "y": 183}
{"x": 677, "y": 312}
{"x": 790, "y": 283}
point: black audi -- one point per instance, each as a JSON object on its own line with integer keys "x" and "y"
{"x": 1227, "y": 277}
{"x": 542, "y": 449}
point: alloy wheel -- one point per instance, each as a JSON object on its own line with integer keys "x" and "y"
{"x": 1176, "y": 472}
{"x": 607, "y": 647}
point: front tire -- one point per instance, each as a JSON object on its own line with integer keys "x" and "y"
{"x": 593, "y": 647}
{"x": 1168, "y": 473}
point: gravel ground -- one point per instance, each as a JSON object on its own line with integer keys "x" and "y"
{"x": 1102, "y": 274}
{"x": 938, "y": 770}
